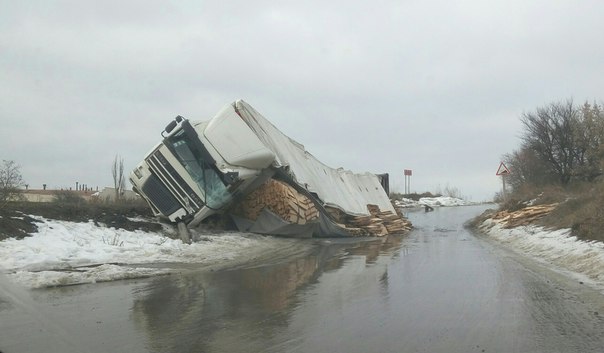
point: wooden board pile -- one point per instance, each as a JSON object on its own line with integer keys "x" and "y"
{"x": 377, "y": 223}
{"x": 523, "y": 216}
{"x": 280, "y": 198}
{"x": 296, "y": 208}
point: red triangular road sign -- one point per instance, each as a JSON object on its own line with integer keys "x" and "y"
{"x": 502, "y": 170}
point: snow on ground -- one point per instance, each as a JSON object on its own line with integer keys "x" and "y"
{"x": 558, "y": 247}
{"x": 63, "y": 253}
{"x": 433, "y": 202}
{"x": 444, "y": 201}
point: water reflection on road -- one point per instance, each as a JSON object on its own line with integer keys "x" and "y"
{"x": 243, "y": 310}
{"x": 439, "y": 289}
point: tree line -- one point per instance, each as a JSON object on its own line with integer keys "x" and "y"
{"x": 561, "y": 143}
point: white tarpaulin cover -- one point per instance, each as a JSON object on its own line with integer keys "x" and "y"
{"x": 335, "y": 187}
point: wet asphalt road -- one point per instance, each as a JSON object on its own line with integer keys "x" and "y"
{"x": 438, "y": 289}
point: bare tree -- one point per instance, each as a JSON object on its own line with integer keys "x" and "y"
{"x": 10, "y": 182}
{"x": 528, "y": 169}
{"x": 589, "y": 135}
{"x": 550, "y": 133}
{"x": 119, "y": 181}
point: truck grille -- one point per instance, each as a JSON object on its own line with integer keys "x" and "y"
{"x": 174, "y": 183}
{"x": 160, "y": 196}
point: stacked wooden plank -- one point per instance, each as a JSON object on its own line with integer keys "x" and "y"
{"x": 280, "y": 198}
{"x": 294, "y": 207}
{"x": 523, "y": 216}
{"x": 395, "y": 223}
{"x": 371, "y": 224}
{"x": 355, "y": 232}
{"x": 377, "y": 223}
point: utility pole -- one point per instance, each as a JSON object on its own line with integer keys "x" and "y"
{"x": 408, "y": 173}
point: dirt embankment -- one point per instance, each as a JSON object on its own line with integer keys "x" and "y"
{"x": 16, "y": 220}
{"x": 579, "y": 208}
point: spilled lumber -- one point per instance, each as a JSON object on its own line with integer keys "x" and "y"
{"x": 280, "y": 198}
{"x": 377, "y": 223}
{"x": 296, "y": 208}
{"x": 522, "y": 217}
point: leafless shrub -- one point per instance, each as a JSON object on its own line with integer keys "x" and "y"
{"x": 10, "y": 182}
{"x": 527, "y": 169}
{"x": 113, "y": 241}
{"x": 452, "y": 191}
{"x": 67, "y": 197}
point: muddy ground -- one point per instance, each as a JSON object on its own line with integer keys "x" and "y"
{"x": 16, "y": 220}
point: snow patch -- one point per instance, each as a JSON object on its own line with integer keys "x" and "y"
{"x": 55, "y": 254}
{"x": 443, "y": 201}
{"x": 102, "y": 273}
{"x": 558, "y": 247}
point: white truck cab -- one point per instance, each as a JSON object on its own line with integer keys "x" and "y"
{"x": 199, "y": 167}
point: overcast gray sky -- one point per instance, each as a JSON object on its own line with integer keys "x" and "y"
{"x": 380, "y": 86}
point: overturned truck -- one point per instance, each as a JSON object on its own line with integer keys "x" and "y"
{"x": 239, "y": 164}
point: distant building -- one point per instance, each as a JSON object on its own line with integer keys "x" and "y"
{"x": 105, "y": 195}
{"x": 108, "y": 195}
{"x": 33, "y": 195}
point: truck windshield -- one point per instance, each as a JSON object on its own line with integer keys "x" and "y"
{"x": 206, "y": 177}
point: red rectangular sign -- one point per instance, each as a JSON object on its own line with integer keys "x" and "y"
{"x": 408, "y": 172}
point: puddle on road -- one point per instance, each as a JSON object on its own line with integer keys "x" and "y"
{"x": 422, "y": 292}
{"x": 32, "y": 319}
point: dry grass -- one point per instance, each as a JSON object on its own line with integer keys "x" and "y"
{"x": 581, "y": 207}
{"x": 583, "y": 212}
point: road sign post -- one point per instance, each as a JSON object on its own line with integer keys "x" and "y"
{"x": 503, "y": 172}
{"x": 408, "y": 173}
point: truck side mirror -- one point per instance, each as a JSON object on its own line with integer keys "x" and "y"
{"x": 231, "y": 177}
